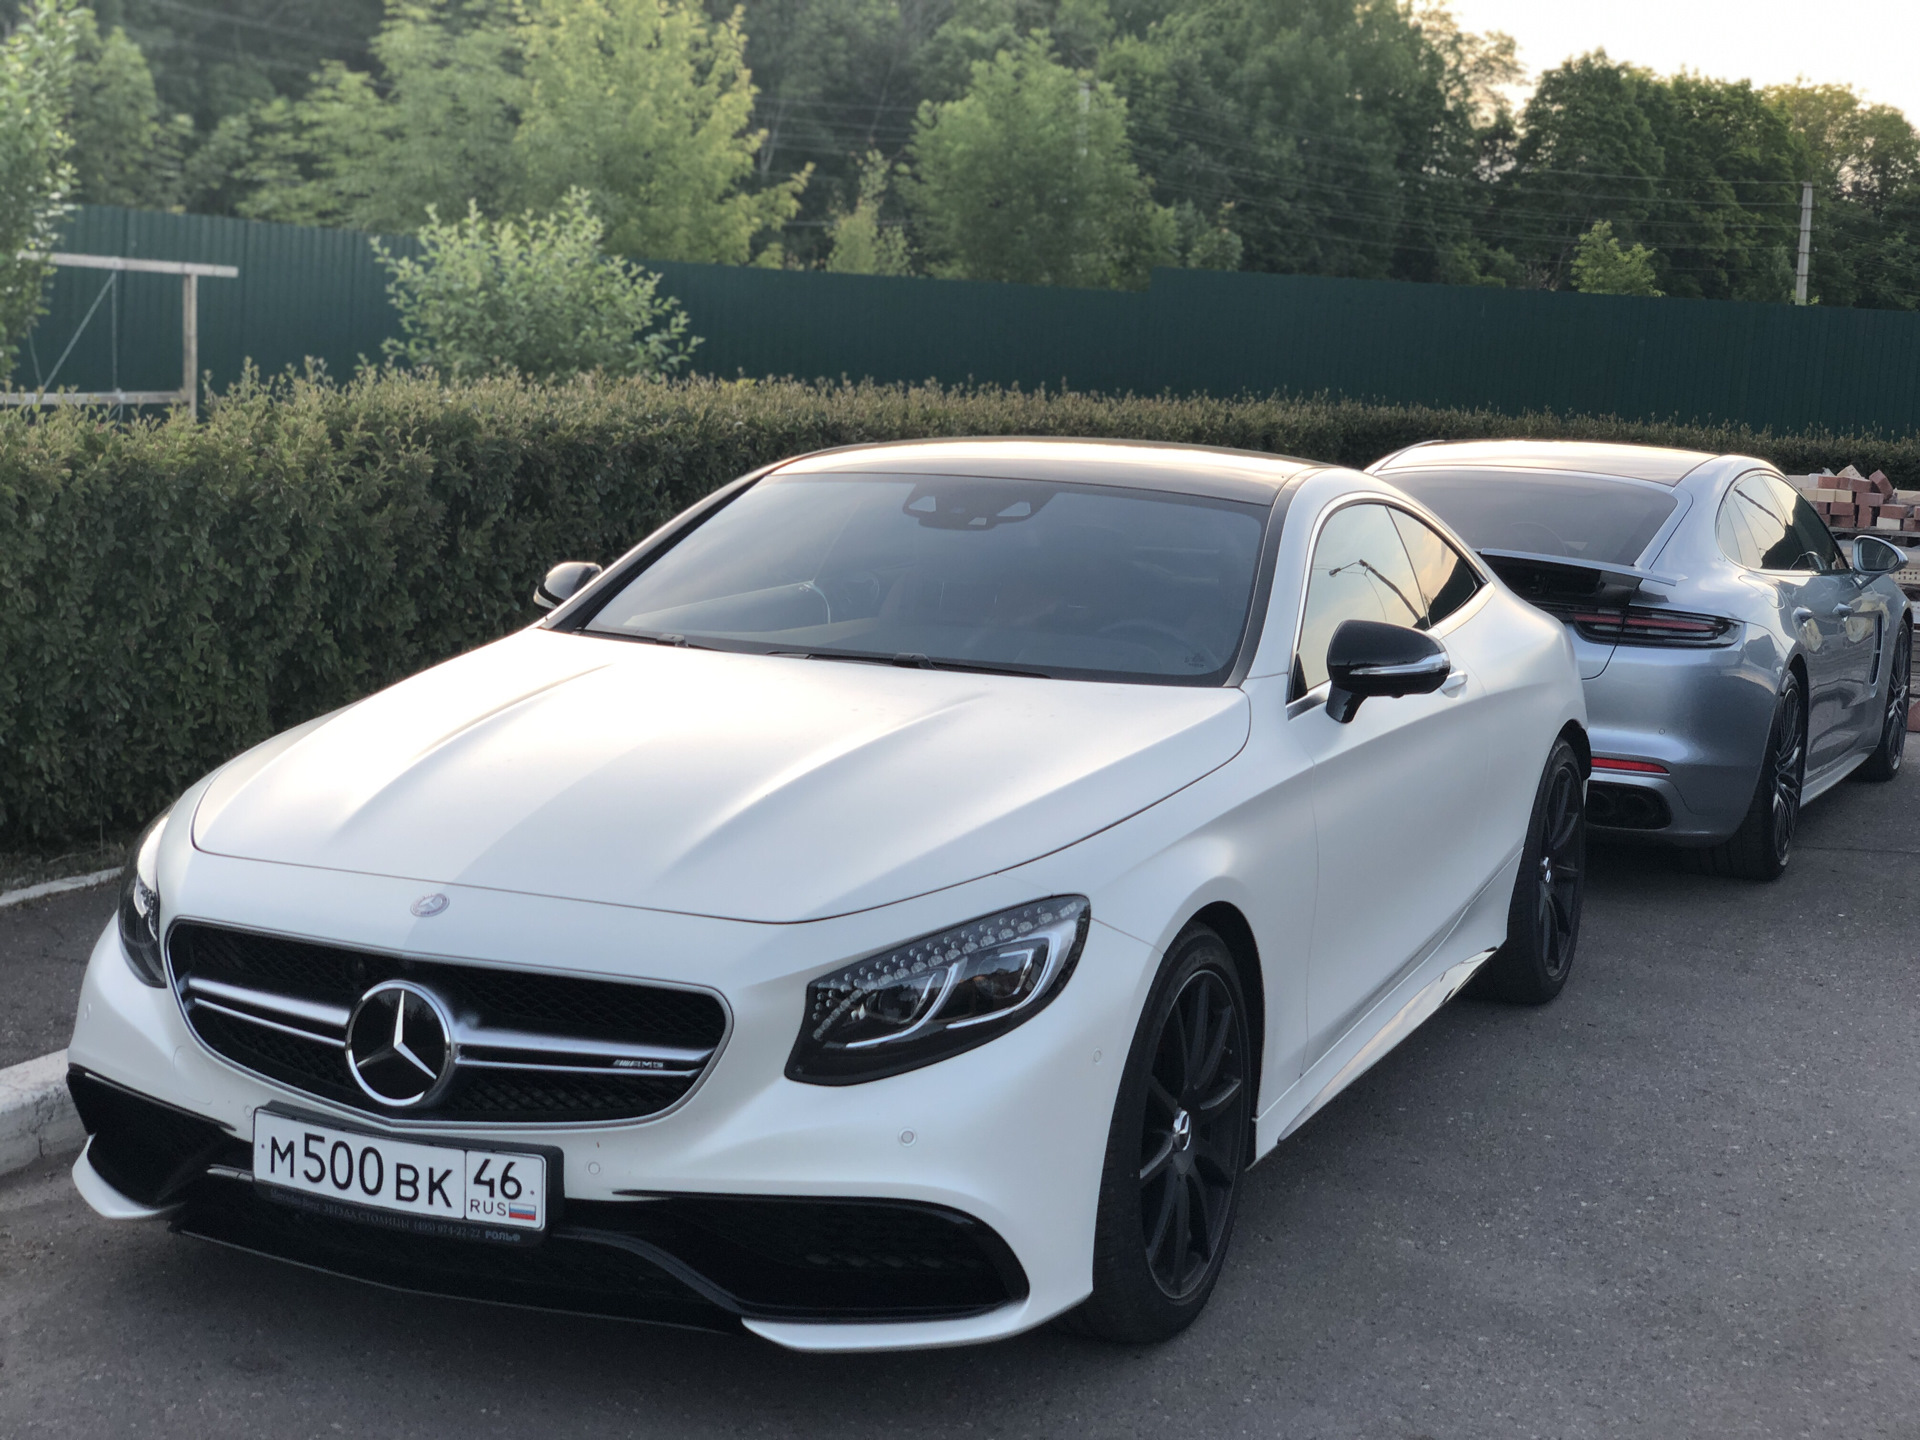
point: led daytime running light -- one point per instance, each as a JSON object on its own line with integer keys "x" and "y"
{"x": 939, "y": 995}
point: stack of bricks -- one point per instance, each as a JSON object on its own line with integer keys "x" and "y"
{"x": 1852, "y": 501}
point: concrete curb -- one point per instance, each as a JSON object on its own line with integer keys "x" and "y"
{"x": 55, "y": 887}
{"x": 37, "y": 1118}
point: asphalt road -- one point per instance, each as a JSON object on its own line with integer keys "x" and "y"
{"x": 44, "y": 946}
{"x": 1679, "y": 1201}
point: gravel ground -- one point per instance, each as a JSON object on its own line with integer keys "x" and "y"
{"x": 1679, "y": 1201}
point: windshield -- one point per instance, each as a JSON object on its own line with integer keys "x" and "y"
{"x": 1583, "y": 517}
{"x": 1035, "y": 576}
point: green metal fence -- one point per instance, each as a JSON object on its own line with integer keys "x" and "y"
{"x": 318, "y": 293}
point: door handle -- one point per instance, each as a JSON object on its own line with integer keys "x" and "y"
{"x": 1455, "y": 682}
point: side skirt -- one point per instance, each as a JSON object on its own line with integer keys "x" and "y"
{"x": 1318, "y": 1087}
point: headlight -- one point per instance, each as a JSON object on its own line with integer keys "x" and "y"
{"x": 939, "y": 995}
{"x": 140, "y": 906}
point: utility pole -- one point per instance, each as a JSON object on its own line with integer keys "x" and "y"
{"x": 1806, "y": 243}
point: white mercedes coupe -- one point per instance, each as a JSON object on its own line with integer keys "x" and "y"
{"x": 890, "y": 907}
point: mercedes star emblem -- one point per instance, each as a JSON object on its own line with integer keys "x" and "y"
{"x": 428, "y": 906}
{"x": 400, "y": 1044}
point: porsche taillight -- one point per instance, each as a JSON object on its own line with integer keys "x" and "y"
{"x": 1646, "y": 625}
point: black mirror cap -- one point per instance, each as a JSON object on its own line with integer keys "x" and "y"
{"x": 1366, "y": 658}
{"x": 563, "y": 582}
{"x": 1874, "y": 556}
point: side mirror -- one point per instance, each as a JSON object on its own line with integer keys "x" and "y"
{"x": 1874, "y": 556}
{"x": 1367, "y": 658}
{"x": 563, "y": 582}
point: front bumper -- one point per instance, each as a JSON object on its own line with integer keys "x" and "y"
{"x": 994, "y": 1155}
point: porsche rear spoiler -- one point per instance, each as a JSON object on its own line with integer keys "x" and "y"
{"x": 1565, "y": 580}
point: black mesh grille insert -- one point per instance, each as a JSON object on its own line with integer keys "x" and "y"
{"x": 555, "y": 1005}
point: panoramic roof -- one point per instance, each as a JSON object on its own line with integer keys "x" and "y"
{"x": 1190, "y": 469}
{"x": 1635, "y": 462}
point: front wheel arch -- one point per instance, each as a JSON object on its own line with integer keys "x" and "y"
{"x": 1225, "y": 920}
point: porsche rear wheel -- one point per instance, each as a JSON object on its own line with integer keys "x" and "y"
{"x": 1176, "y": 1150}
{"x": 1761, "y": 847}
{"x": 1543, "y": 919}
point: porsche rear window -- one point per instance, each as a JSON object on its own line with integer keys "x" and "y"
{"x": 1040, "y": 576}
{"x": 1583, "y": 517}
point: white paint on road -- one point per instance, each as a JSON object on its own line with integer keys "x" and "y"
{"x": 56, "y": 887}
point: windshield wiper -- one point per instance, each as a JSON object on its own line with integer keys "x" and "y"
{"x": 914, "y": 662}
{"x": 678, "y": 642}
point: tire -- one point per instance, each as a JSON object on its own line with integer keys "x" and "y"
{"x": 1176, "y": 1150}
{"x": 1884, "y": 763}
{"x": 1543, "y": 919}
{"x": 1762, "y": 846}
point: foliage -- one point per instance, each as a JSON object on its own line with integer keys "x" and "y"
{"x": 36, "y": 73}
{"x": 1027, "y": 177}
{"x": 125, "y": 151}
{"x": 863, "y": 242}
{"x": 437, "y": 130}
{"x": 533, "y": 296}
{"x": 1601, "y": 267}
{"x": 646, "y": 105}
{"x": 511, "y": 103}
{"x": 1866, "y": 212}
{"x": 1704, "y": 172}
{"x": 1345, "y": 135}
{"x": 177, "y": 591}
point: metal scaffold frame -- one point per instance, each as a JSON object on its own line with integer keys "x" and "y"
{"x": 190, "y": 273}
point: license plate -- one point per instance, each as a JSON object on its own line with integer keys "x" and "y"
{"x": 437, "y": 1182}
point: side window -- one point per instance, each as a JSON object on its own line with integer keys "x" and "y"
{"x": 1753, "y": 531}
{"x": 1360, "y": 572}
{"x": 1817, "y": 548}
{"x": 1447, "y": 581}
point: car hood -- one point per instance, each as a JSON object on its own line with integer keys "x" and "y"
{"x": 749, "y": 787}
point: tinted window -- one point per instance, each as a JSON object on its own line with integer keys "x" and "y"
{"x": 1756, "y": 527}
{"x": 1817, "y": 548}
{"x": 1578, "y": 516}
{"x": 1447, "y": 581}
{"x": 1022, "y": 574}
{"x": 1360, "y": 572}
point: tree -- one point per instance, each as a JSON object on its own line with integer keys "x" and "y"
{"x": 1865, "y": 167}
{"x": 1586, "y": 152}
{"x": 1601, "y": 267}
{"x": 1028, "y": 177}
{"x": 534, "y": 295}
{"x": 646, "y": 104}
{"x": 436, "y": 131}
{"x": 36, "y": 73}
{"x": 863, "y": 243}
{"x": 1345, "y": 135}
{"x": 1725, "y": 217}
{"x": 125, "y": 151}
{"x": 512, "y": 103}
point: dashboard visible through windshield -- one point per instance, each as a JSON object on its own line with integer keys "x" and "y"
{"x": 1031, "y": 576}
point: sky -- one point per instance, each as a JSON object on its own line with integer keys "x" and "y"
{"x": 1873, "y": 45}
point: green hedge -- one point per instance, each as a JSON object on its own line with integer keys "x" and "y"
{"x": 172, "y": 591}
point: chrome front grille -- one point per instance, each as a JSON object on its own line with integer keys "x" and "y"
{"x": 525, "y": 1047}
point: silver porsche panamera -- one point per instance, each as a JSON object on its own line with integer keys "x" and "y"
{"x": 1738, "y": 661}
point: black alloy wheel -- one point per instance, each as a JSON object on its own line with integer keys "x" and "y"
{"x": 1543, "y": 918}
{"x": 1762, "y": 846}
{"x": 1789, "y": 770}
{"x": 1180, "y": 1139}
{"x": 1190, "y": 1135}
{"x": 1884, "y": 763}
